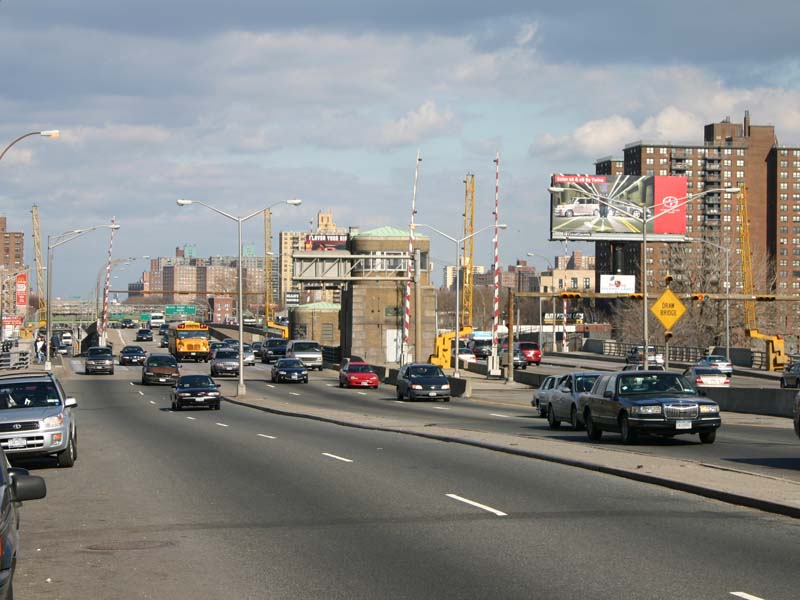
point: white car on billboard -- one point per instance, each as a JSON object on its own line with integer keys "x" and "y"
{"x": 578, "y": 207}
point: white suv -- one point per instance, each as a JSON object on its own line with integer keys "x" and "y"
{"x": 308, "y": 351}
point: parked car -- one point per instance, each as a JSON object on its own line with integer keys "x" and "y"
{"x": 132, "y": 355}
{"x": 160, "y": 368}
{"x": 707, "y": 377}
{"x": 646, "y": 401}
{"x": 636, "y": 355}
{"x": 273, "y": 349}
{"x": 358, "y": 374}
{"x": 195, "y": 390}
{"x": 563, "y": 403}
{"x": 716, "y": 361}
{"x": 225, "y": 362}
{"x": 144, "y": 335}
{"x": 36, "y": 417}
{"x": 519, "y": 359}
{"x": 99, "y": 359}
{"x": 790, "y": 378}
{"x": 640, "y": 367}
{"x": 249, "y": 356}
{"x": 289, "y": 369}
{"x": 417, "y": 381}
{"x": 531, "y": 352}
{"x": 540, "y": 394}
{"x": 309, "y": 351}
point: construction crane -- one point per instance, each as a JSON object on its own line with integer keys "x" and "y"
{"x": 775, "y": 348}
{"x": 444, "y": 342}
{"x": 271, "y": 328}
{"x": 34, "y": 325}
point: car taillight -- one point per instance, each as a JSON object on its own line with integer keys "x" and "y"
{"x": 727, "y": 380}
{"x": 699, "y": 380}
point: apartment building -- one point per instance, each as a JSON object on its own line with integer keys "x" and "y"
{"x": 783, "y": 211}
{"x": 13, "y": 257}
{"x": 450, "y": 274}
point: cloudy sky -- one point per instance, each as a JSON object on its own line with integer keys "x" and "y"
{"x": 245, "y": 103}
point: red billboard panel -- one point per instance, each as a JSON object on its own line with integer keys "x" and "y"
{"x": 22, "y": 289}
{"x": 617, "y": 207}
{"x": 326, "y": 241}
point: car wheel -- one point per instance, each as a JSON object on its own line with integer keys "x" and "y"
{"x": 629, "y": 435}
{"x": 596, "y": 213}
{"x": 144, "y": 381}
{"x": 593, "y": 432}
{"x": 708, "y": 437}
{"x": 341, "y": 385}
{"x": 399, "y": 393}
{"x": 305, "y": 380}
{"x": 216, "y": 406}
{"x": 111, "y": 372}
{"x": 573, "y": 420}
{"x": 178, "y": 406}
{"x": 447, "y": 399}
{"x": 273, "y": 379}
{"x": 66, "y": 458}
{"x": 569, "y": 213}
{"x": 783, "y": 383}
{"x": 552, "y": 421}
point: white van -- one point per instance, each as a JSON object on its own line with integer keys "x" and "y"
{"x": 156, "y": 320}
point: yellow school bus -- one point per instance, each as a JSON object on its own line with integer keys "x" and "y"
{"x": 188, "y": 340}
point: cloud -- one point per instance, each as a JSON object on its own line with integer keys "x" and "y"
{"x": 425, "y": 122}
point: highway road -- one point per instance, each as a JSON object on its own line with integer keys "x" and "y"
{"x": 246, "y": 504}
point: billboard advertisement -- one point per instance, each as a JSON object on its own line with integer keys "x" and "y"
{"x": 616, "y": 207}
{"x": 617, "y": 284}
{"x": 22, "y": 289}
{"x": 326, "y": 241}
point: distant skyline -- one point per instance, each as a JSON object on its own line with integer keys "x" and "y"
{"x": 245, "y": 103}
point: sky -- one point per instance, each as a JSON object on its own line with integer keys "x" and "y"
{"x": 245, "y": 103}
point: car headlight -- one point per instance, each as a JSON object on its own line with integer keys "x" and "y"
{"x": 281, "y": 372}
{"x": 54, "y": 421}
{"x": 184, "y": 395}
{"x": 709, "y": 408}
{"x": 416, "y": 386}
{"x": 446, "y": 386}
{"x": 653, "y": 409}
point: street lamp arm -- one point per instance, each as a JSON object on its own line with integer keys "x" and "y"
{"x": 68, "y": 236}
{"x": 216, "y": 210}
{"x": 442, "y": 233}
{"x": 53, "y": 133}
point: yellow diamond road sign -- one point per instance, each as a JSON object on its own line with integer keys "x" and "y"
{"x": 668, "y": 309}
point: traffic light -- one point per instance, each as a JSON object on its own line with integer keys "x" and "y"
{"x": 636, "y": 296}
{"x": 766, "y": 298}
{"x": 700, "y": 296}
{"x": 668, "y": 280}
{"x": 570, "y": 294}
{"x": 667, "y": 336}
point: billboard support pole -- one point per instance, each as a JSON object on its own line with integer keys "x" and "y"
{"x": 646, "y": 333}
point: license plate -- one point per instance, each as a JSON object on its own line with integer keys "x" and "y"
{"x": 683, "y": 424}
{"x": 193, "y": 353}
{"x": 365, "y": 383}
{"x": 431, "y": 393}
{"x": 199, "y": 399}
{"x": 17, "y": 443}
{"x": 294, "y": 375}
{"x": 161, "y": 379}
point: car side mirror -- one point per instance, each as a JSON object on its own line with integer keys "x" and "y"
{"x": 25, "y": 486}
{"x": 218, "y": 385}
{"x": 70, "y": 402}
{"x": 608, "y": 394}
{"x": 701, "y": 393}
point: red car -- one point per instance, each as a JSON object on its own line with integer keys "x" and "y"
{"x": 358, "y": 374}
{"x": 531, "y": 352}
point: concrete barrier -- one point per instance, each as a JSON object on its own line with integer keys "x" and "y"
{"x": 756, "y": 401}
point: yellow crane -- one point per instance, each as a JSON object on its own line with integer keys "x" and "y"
{"x": 444, "y": 342}
{"x": 34, "y": 325}
{"x": 775, "y": 348}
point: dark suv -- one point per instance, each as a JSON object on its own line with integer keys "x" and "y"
{"x": 417, "y": 381}
{"x": 480, "y": 348}
{"x": 790, "y": 378}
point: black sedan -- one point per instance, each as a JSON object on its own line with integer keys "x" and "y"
{"x": 195, "y": 390}
{"x": 418, "y": 381}
{"x": 634, "y": 402}
{"x": 289, "y": 369}
{"x": 132, "y": 355}
{"x": 144, "y": 335}
{"x": 273, "y": 349}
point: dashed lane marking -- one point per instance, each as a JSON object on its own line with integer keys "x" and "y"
{"x": 191, "y": 418}
{"x": 441, "y": 408}
{"x": 264, "y": 435}
{"x": 745, "y": 595}
{"x": 362, "y": 393}
{"x": 295, "y": 394}
{"x": 494, "y": 511}
{"x": 222, "y": 424}
{"x": 337, "y": 457}
{"x": 499, "y": 415}
{"x": 152, "y": 402}
{"x": 141, "y": 393}
{"x": 269, "y": 385}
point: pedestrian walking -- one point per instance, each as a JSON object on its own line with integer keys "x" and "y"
{"x": 39, "y": 350}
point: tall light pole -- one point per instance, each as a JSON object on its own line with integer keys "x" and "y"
{"x": 53, "y": 133}
{"x": 54, "y": 242}
{"x": 456, "y": 372}
{"x": 100, "y": 317}
{"x": 268, "y": 254}
{"x": 645, "y": 220}
{"x": 241, "y": 390}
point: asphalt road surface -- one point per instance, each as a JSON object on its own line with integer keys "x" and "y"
{"x": 245, "y": 504}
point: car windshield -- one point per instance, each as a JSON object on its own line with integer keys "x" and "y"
{"x": 653, "y": 383}
{"x": 425, "y": 371}
{"x": 528, "y": 346}
{"x": 359, "y": 369}
{"x": 288, "y": 362}
{"x": 192, "y": 335}
{"x": 275, "y": 343}
{"x": 195, "y": 381}
{"x": 145, "y": 331}
{"x": 98, "y": 352}
{"x": 247, "y": 347}
{"x": 26, "y": 395}
{"x": 226, "y": 354}
{"x": 584, "y": 383}
{"x": 162, "y": 361}
{"x": 132, "y": 349}
{"x": 306, "y": 347}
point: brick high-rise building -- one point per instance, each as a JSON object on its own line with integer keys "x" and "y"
{"x": 13, "y": 257}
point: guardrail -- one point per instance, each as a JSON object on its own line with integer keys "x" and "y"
{"x": 14, "y": 360}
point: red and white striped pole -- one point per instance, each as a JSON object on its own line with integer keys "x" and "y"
{"x": 404, "y": 354}
{"x": 104, "y": 320}
{"x": 564, "y": 341}
{"x": 493, "y": 366}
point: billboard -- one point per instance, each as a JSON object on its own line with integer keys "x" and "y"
{"x": 22, "y": 289}
{"x": 326, "y": 241}
{"x": 616, "y": 207}
{"x": 617, "y": 284}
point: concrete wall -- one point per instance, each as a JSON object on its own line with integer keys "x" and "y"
{"x": 321, "y": 325}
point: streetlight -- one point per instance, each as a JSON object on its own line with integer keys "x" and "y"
{"x": 675, "y": 204}
{"x": 727, "y": 252}
{"x": 53, "y": 133}
{"x": 241, "y": 390}
{"x": 57, "y": 241}
{"x": 268, "y": 254}
{"x": 458, "y": 243}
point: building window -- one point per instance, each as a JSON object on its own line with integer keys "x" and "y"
{"x": 587, "y": 283}
{"x": 783, "y": 175}
{"x": 726, "y": 174}
{"x": 649, "y": 150}
{"x": 740, "y": 152}
{"x": 649, "y": 161}
{"x": 662, "y": 172}
{"x": 662, "y": 151}
{"x": 784, "y": 164}
{"x": 740, "y": 163}
{"x": 740, "y": 175}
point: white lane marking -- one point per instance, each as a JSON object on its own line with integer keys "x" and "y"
{"x": 478, "y": 505}
{"x": 399, "y": 402}
{"x": 141, "y": 393}
{"x": 440, "y": 408}
{"x": 746, "y": 596}
{"x": 362, "y": 393}
{"x": 499, "y": 415}
{"x": 294, "y": 393}
{"x": 329, "y": 384}
{"x": 269, "y": 385}
{"x": 131, "y": 383}
{"x": 336, "y": 457}
{"x": 264, "y": 435}
{"x": 152, "y": 402}
{"x": 191, "y": 418}
{"x": 222, "y": 425}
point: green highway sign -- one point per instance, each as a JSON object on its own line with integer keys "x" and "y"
{"x": 144, "y": 317}
{"x": 116, "y": 316}
{"x": 180, "y": 309}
